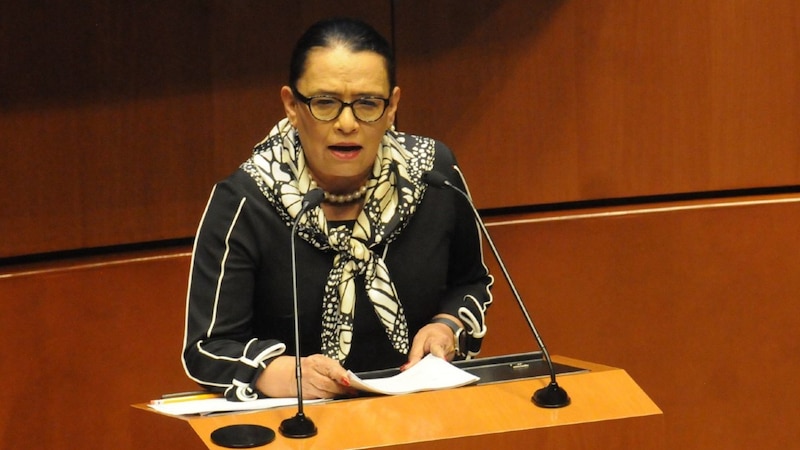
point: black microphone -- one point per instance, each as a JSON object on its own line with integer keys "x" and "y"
{"x": 551, "y": 396}
{"x": 300, "y": 426}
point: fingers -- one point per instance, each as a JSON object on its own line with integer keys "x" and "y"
{"x": 416, "y": 353}
{"x": 324, "y": 377}
{"x": 436, "y": 339}
{"x": 444, "y": 351}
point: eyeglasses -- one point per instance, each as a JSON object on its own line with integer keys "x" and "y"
{"x": 327, "y": 108}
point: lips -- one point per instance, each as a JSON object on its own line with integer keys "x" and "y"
{"x": 345, "y": 151}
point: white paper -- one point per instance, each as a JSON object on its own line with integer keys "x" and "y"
{"x": 214, "y": 405}
{"x": 431, "y": 373}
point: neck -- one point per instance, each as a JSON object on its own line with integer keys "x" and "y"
{"x": 342, "y": 211}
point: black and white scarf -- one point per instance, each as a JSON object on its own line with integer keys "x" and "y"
{"x": 394, "y": 190}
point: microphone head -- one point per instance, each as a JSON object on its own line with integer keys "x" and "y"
{"x": 313, "y": 198}
{"x": 434, "y": 178}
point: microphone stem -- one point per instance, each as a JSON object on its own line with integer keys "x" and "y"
{"x": 551, "y": 396}
{"x": 298, "y": 370}
{"x": 514, "y": 291}
{"x": 299, "y": 426}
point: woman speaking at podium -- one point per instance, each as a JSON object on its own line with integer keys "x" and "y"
{"x": 387, "y": 268}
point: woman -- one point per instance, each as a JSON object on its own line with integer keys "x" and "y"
{"x": 388, "y": 268}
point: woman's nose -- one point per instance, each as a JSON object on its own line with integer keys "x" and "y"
{"x": 347, "y": 121}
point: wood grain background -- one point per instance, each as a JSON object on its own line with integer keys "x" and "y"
{"x": 116, "y": 117}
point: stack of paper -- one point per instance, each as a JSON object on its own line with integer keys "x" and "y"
{"x": 215, "y": 405}
{"x": 430, "y": 374}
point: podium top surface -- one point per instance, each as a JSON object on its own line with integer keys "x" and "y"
{"x": 600, "y": 394}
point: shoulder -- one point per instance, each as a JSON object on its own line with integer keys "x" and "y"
{"x": 240, "y": 193}
{"x": 443, "y": 157}
{"x": 238, "y": 184}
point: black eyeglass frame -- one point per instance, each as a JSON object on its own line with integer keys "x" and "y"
{"x": 342, "y": 105}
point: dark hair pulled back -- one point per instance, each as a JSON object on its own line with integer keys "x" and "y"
{"x": 353, "y": 34}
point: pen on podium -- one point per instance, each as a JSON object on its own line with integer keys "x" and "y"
{"x": 185, "y": 397}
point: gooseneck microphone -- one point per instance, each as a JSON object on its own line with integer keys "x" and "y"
{"x": 300, "y": 426}
{"x": 551, "y": 396}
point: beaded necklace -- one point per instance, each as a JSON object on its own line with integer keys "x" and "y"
{"x": 343, "y": 198}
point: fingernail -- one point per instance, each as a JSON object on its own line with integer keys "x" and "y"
{"x": 404, "y": 367}
{"x": 345, "y": 381}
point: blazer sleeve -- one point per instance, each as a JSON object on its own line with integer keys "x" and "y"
{"x": 219, "y": 350}
{"x": 469, "y": 294}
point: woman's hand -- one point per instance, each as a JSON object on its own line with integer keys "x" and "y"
{"x": 434, "y": 338}
{"x": 323, "y": 377}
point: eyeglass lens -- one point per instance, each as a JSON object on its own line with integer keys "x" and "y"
{"x": 364, "y": 109}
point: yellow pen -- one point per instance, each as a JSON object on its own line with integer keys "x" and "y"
{"x": 185, "y": 398}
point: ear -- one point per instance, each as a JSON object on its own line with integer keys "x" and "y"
{"x": 391, "y": 110}
{"x": 290, "y": 104}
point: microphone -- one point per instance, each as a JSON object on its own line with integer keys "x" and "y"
{"x": 551, "y": 396}
{"x": 300, "y": 426}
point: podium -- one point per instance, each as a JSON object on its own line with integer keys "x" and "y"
{"x": 609, "y": 411}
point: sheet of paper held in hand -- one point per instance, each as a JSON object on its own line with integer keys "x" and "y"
{"x": 430, "y": 374}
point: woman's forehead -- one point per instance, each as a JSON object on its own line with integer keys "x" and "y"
{"x": 339, "y": 68}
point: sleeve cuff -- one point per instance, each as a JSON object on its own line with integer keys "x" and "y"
{"x": 257, "y": 355}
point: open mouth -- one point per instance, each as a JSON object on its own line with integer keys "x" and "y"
{"x": 345, "y": 151}
{"x": 345, "y": 148}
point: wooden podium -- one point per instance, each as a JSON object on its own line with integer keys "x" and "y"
{"x": 608, "y": 411}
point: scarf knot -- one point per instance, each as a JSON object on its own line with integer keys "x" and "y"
{"x": 394, "y": 191}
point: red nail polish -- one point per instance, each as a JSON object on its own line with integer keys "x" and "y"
{"x": 403, "y": 367}
{"x": 345, "y": 381}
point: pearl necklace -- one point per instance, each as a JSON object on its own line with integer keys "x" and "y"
{"x": 342, "y": 198}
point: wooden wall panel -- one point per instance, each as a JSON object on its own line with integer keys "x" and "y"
{"x": 557, "y": 101}
{"x": 117, "y": 117}
{"x": 82, "y": 341}
{"x": 699, "y": 304}
{"x": 102, "y": 106}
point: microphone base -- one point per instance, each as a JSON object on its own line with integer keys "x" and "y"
{"x": 298, "y": 427}
{"x": 552, "y": 396}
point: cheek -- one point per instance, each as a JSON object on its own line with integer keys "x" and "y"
{"x": 309, "y": 131}
{"x": 311, "y": 147}
{"x": 300, "y": 124}
{"x": 375, "y": 137}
